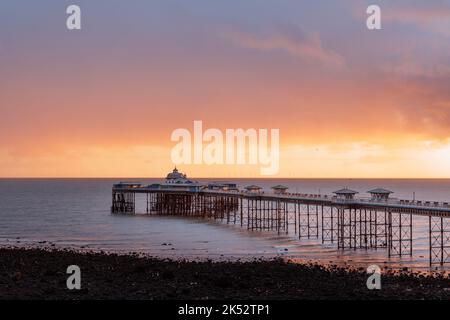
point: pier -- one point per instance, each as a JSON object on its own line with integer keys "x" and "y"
{"x": 343, "y": 219}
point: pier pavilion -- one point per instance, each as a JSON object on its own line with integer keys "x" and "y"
{"x": 253, "y": 189}
{"x": 177, "y": 181}
{"x": 222, "y": 186}
{"x": 279, "y": 189}
{"x": 380, "y": 194}
{"x": 345, "y": 194}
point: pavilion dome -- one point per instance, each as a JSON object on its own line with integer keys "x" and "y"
{"x": 175, "y": 175}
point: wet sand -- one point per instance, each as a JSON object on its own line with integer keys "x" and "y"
{"x": 41, "y": 274}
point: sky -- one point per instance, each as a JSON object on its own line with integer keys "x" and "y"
{"x": 103, "y": 101}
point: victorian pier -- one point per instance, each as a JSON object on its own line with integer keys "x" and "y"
{"x": 343, "y": 219}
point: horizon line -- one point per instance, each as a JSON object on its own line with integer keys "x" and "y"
{"x": 304, "y": 178}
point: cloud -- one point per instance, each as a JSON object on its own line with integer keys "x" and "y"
{"x": 417, "y": 13}
{"x": 433, "y": 118}
{"x": 423, "y": 104}
{"x": 433, "y": 16}
{"x": 413, "y": 65}
{"x": 294, "y": 42}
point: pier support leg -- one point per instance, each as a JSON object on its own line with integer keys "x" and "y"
{"x": 346, "y": 228}
{"x": 308, "y": 221}
{"x": 123, "y": 202}
{"x": 400, "y": 234}
{"x": 329, "y": 224}
{"x": 439, "y": 240}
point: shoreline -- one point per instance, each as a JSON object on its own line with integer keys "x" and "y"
{"x": 41, "y": 274}
{"x": 349, "y": 264}
{"x": 412, "y": 266}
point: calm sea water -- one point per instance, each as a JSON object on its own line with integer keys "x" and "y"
{"x": 74, "y": 213}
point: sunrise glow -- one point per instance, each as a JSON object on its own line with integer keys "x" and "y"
{"x": 104, "y": 101}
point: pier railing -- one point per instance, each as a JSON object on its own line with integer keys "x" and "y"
{"x": 366, "y": 200}
{"x": 359, "y": 200}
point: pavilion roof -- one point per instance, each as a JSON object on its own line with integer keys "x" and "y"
{"x": 345, "y": 191}
{"x": 280, "y": 187}
{"x": 252, "y": 187}
{"x": 380, "y": 190}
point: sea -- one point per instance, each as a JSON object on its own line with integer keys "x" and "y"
{"x": 75, "y": 214}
